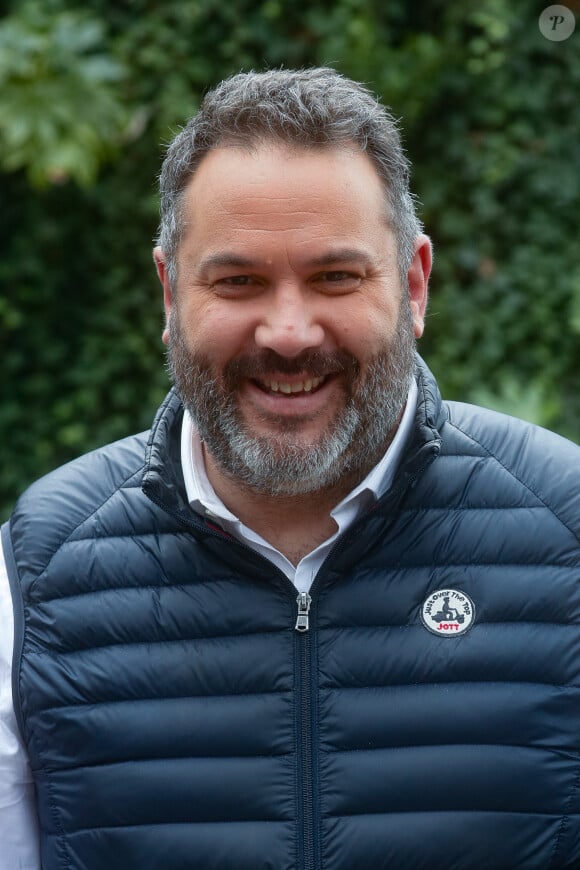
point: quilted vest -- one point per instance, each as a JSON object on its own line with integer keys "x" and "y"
{"x": 183, "y": 707}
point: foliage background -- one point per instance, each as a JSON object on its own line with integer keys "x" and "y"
{"x": 90, "y": 93}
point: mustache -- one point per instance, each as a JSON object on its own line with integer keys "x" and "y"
{"x": 314, "y": 364}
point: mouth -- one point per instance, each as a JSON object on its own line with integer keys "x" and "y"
{"x": 287, "y": 387}
{"x": 298, "y": 397}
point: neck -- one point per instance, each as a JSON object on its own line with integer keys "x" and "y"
{"x": 294, "y": 525}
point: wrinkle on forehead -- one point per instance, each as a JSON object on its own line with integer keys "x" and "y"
{"x": 276, "y": 199}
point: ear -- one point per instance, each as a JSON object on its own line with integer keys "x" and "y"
{"x": 160, "y": 265}
{"x": 418, "y": 277}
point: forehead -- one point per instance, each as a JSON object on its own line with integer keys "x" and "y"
{"x": 272, "y": 187}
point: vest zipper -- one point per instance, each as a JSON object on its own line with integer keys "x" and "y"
{"x": 304, "y": 601}
{"x": 305, "y": 730}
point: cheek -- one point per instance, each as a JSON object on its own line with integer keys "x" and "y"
{"x": 363, "y": 333}
{"x": 218, "y": 333}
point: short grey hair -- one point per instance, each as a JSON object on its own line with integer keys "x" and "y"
{"x": 311, "y": 109}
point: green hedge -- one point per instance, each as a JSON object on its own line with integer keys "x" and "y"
{"x": 90, "y": 93}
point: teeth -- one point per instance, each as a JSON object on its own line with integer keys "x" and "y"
{"x": 287, "y": 389}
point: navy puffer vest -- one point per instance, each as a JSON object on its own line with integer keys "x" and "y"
{"x": 426, "y": 719}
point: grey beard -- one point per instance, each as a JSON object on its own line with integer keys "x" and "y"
{"x": 280, "y": 464}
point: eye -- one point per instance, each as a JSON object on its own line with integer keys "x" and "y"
{"x": 337, "y": 276}
{"x": 236, "y": 280}
{"x": 338, "y": 280}
{"x": 236, "y": 286}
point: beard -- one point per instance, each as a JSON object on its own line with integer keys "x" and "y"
{"x": 283, "y": 464}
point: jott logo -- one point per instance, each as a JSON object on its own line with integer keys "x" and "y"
{"x": 448, "y": 612}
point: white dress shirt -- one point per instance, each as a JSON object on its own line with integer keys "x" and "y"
{"x": 19, "y": 841}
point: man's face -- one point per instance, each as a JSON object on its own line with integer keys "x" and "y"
{"x": 290, "y": 337}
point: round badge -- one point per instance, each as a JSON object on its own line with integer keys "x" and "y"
{"x": 557, "y": 23}
{"x": 448, "y": 612}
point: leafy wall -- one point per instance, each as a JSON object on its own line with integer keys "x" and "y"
{"x": 89, "y": 94}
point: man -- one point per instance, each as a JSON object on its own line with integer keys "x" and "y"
{"x": 317, "y": 617}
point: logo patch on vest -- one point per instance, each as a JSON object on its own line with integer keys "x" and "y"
{"x": 448, "y": 612}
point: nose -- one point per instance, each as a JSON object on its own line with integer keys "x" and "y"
{"x": 289, "y": 326}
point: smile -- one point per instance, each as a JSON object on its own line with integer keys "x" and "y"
{"x": 287, "y": 388}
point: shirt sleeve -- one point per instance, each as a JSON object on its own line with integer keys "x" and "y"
{"x": 19, "y": 833}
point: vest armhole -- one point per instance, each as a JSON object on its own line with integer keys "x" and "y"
{"x": 18, "y": 611}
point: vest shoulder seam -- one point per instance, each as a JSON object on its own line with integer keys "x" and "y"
{"x": 513, "y": 474}
{"x": 58, "y": 545}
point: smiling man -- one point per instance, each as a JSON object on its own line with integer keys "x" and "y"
{"x": 295, "y": 267}
{"x": 316, "y": 617}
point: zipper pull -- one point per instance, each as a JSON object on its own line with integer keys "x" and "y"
{"x": 304, "y": 601}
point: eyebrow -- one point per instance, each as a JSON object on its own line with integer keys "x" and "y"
{"x": 228, "y": 259}
{"x": 225, "y": 259}
{"x": 341, "y": 255}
